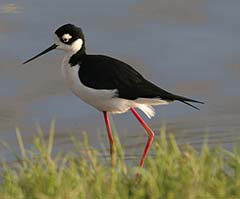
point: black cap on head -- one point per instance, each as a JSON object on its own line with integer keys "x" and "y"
{"x": 67, "y": 34}
{"x": 74, "y": 31}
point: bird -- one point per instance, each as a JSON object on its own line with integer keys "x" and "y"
{"x": 108, "y": 84}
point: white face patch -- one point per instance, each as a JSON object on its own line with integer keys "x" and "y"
{"x": 76, "y": 45}
{"x": 66, "y": 37}
{"x": 71, "y": 49}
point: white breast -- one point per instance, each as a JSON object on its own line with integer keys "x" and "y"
{"x": 103, "y": 100}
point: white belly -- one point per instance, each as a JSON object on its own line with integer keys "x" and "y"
{"x": 104, "y": 100}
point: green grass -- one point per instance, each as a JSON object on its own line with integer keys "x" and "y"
{"x": 171, "y": 173}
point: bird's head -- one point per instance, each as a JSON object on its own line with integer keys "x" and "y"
{"x": 69, "y": 38}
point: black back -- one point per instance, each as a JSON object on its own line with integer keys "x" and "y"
{"x": 103, "y": 72}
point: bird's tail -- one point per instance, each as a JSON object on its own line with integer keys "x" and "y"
{"x": 187, "y": 101}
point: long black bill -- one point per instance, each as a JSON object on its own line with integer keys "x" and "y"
{"x": 52, "y": 47}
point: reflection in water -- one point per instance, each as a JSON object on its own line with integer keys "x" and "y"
{"x": 177, "y": 10}
{"x": 196, "y": 56}
{"x": 10, "y": 8}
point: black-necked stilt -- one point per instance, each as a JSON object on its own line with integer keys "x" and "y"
{"x": 108, "y": 84}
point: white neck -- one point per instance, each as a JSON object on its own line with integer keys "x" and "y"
{"x": 71, "y": 50}
{"x": 76, "y": 46}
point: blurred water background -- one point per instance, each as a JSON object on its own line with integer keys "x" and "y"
{"x": 190, "y": 47}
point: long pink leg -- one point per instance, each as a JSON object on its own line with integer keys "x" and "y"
{"x": 150, "y": 136}
{"x": 109, "y": 131}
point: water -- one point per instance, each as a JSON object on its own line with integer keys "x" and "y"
{"x": 188, "y": 47}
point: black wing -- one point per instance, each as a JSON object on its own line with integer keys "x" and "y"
{"x": 102, "y": 72}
